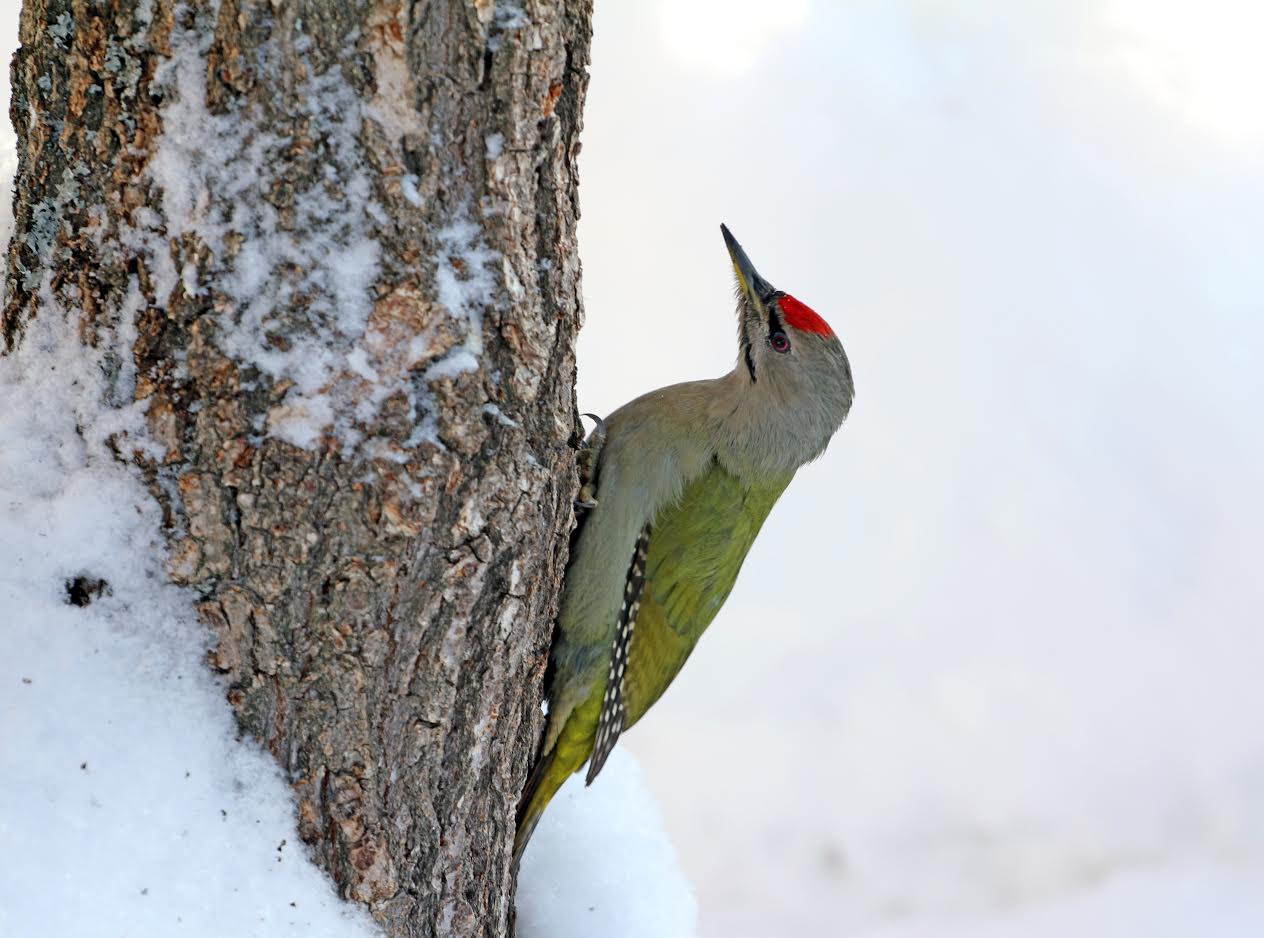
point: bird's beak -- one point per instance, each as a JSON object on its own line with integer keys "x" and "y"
{"x": 758, "y": 290}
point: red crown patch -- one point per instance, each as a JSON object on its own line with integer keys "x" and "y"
{"x": 803, "y": 318}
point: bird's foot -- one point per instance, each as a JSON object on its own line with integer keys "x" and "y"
{"x": 587, "y": 464}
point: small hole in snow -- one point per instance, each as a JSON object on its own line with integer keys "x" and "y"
{"x": 83, "y": 589}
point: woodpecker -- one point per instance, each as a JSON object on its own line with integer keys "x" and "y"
{"x": 676, "y": 485}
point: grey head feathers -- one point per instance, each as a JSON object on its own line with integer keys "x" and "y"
{"x": 791, "y": 387}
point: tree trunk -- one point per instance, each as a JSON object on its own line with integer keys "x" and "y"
{"x": 329, "y": 247}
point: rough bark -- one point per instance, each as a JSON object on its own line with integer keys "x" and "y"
{"x": 371, "y": 506}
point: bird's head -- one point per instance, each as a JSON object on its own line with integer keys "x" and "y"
{"x": 783, "y": 343}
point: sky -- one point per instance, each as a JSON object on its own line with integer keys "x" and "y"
{"x": 1006, "y": 680}
{"x": 1012, "y": 651}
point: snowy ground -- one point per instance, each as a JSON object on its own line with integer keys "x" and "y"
{"x": 601, "y": 864}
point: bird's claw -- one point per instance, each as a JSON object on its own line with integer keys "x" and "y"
{"x": 586, "y": 461}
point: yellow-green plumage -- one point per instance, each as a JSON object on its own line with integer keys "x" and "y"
{"x": 696, "y": 548}
{"x": 675, "y": 498}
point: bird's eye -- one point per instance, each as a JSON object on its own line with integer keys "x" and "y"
{"x": 779, "y": 342}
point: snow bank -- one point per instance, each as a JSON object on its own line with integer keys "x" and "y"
{"x": 129, "y": 807}
{"x": 601, "y": 864}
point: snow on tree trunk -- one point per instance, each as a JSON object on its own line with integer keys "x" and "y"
{"x": 328, "y": 249}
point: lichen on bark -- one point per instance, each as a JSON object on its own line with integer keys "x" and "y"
{"x": 330, "y": 250}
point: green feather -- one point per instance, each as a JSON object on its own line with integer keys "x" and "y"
{"x": 696, "y": 550}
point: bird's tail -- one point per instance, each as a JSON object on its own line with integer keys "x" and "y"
{"x": 546, "y": 778}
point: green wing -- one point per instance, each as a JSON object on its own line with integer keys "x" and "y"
{"x": 695, "y": 550}
{"x": 683, "y": 566}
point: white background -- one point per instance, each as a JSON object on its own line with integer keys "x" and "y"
{"x": 1002, "y": 645}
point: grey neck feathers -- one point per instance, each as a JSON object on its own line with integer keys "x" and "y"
{"x": 785, "y": 418}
